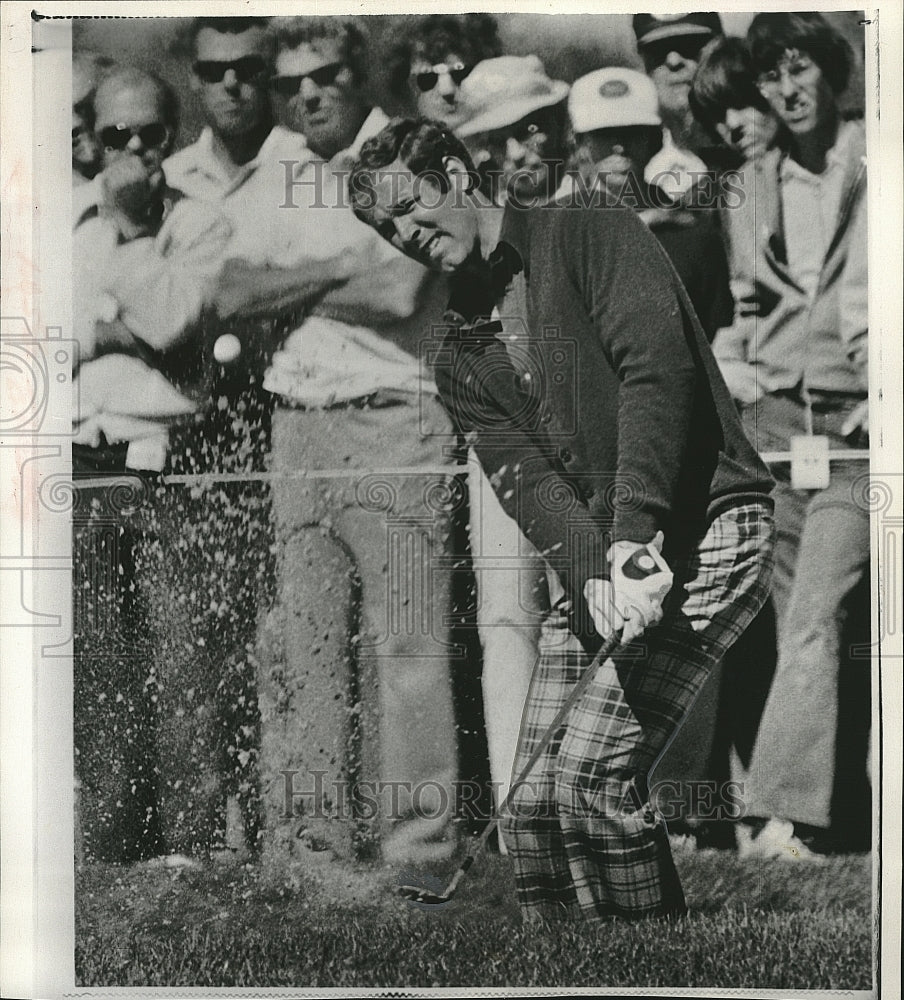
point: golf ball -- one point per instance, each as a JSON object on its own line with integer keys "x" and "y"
{"x": 227, "y": 348}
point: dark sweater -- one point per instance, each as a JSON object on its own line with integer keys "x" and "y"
{"x": 632, "y": 429}
{"x": 691, "y": 236}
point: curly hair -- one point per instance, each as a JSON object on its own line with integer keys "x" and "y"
{"x": 771, "y": 35}
{"x": 725, "y": 78}
{"x": 349, "y": 32}
{"x": 473, "y": 37}
{"x": 422, "y": 144}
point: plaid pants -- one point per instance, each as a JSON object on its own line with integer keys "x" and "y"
{"x": 583, "y": 835}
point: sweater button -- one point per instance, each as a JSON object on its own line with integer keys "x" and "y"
{"x": 565, "y": 455}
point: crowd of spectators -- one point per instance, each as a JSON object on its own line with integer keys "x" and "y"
{"x": 324, "y": 441}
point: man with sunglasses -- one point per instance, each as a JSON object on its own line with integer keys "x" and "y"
{"x": 347, "y": 312}
{"x": 144, "y": 266}
{"x": 434, "y": 56}
{"x": 670, "y": 47}
{"x": 321, "y": 76}
{"x": 292, "y": 252}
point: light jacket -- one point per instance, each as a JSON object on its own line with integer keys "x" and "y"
{"x": 793, "y": 338}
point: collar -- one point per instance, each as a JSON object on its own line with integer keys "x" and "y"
{"x": 847, "y": 145}
{"x": 199, "y": 157}
{"x": 86, "y": 200}
{"x": 474, "y": 293}
{"x": 373, "y": 123}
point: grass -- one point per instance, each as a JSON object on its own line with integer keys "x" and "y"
{"x": 781, "y": 926}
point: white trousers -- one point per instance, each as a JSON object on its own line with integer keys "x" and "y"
{"x": 513, "y": 598}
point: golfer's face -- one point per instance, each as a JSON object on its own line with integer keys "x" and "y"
{"x": 437, "y": 228}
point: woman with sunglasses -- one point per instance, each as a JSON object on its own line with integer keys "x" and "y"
{"x": 431, "y": 61}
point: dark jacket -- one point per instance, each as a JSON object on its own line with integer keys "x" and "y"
{"x": 604, "y": 416}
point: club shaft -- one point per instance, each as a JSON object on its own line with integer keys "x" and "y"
{"x": 608, "y": 648}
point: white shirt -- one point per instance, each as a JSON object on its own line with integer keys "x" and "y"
{"x": 326, "y": 361}
{"x": 673, "y": 169}
{"x": 810, "y": 207}
{"x": 152, "y": 288}
{"x": 257, "y": 200}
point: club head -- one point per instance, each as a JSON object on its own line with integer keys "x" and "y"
{"x": 417, "y": 894}
{"x": 427, "y": 896}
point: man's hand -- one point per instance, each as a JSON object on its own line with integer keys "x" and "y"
{"x": 632, "y": 605}
{"x": 127, "y": 189}
{"x": 744, "y": 382}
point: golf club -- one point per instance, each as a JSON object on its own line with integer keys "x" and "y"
{"x": 644, "y": 563}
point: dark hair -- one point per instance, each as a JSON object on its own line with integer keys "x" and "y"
{"x": 725, "y": 78}
{"x": 348, "y": 31}
{"x": 422, "y": 144}
{"x": 771, "y": 35}
{"x": 474, "y": 37}
{"x": 223, "y": 25}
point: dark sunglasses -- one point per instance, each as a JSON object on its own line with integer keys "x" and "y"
{"x": 248, "y": 69}
{"x": 119, "y": 136}
{"x": 687, "y": 46}
{"x": 323, "y": 76}
{"x": 429, "y": 78}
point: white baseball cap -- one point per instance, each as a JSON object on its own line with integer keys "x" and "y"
{"x": 611, "y": 98}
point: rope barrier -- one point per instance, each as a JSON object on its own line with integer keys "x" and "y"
{"x": 210, "y": 478}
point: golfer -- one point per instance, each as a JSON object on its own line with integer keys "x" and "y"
{"x": 624, "y": 436}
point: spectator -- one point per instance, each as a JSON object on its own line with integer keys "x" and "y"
{"x": 670, "y": 47}
{"x": 87, "y": 68}
{"x": 144, "y": 264}
{"x": 725, "y": 100}
{"x": 618, "y": 133}
{"x": 433, "y": 58}
{"x": 236, "y": 166}
{"x": 516, "y": 124}
{"x": 796, "y": 361}
{"x": 322, "y": 75}
{"x": 348, "y": 314}
{"x": 584, "y": 839}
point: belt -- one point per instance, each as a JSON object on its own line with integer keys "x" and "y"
{"x": 822, "y": 400}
